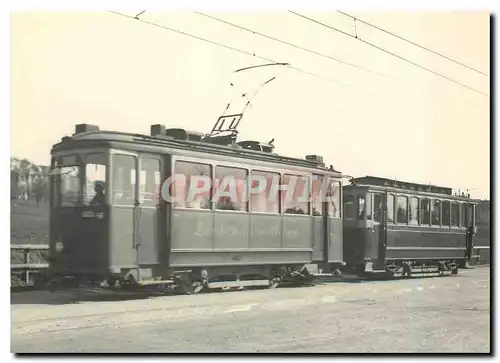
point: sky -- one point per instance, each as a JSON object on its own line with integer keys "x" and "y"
{"x": 395, "y": 120}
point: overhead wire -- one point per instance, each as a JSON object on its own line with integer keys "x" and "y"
{"x": 412, "y": 42}
{"x": 298, "y": 46}
{"x": 253, "y": 55}
{"x": 389, "y": 52}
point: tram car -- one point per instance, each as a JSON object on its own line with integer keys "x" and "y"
{"x": 110, "y": 225}
{"x": 400, "y": 228}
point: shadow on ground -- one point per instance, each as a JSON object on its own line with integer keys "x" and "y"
{"x": 79, "y": 295}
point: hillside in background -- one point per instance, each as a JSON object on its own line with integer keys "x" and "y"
{"x": 28, "y": 181}
{"x": 29, "y": 208}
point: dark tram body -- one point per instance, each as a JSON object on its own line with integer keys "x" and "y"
{"x": 397, "y": 227}
{"x": 133, "y": 236}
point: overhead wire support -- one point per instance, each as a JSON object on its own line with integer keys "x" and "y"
{"x": 191, "y": 35}
{"x": 390, "y": 53}
{"x": 413, "y": 43}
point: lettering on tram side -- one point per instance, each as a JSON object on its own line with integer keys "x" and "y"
{"x": 294, "y": 233}
{"x": 275, "y": 231}
{"x": 229, "y": 230}
{"x": 201, "y": 231}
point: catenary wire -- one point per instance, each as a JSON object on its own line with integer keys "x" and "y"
{"x": 412, "y": 42}
{"x": 298, "y": 47}
{"x": 390, "y": 53}
{"x": 254, "y": 55}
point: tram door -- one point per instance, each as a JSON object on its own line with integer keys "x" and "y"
{"x": 148, "y": 213}
{"x": 333, "y": 223}
{"x": 380, "y": 214}
{"x": 470, "y": 220}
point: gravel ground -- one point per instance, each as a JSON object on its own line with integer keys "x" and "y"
{"x": 441, "y": 314}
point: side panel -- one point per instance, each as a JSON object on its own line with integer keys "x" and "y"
{"x": 150, "y": 216}
{"x": 318, "y": 236}
{"x": 122, "y": 244}
{"x": 353, "y": 243}
{"x": 148, "y": 235}
{"x": 425, "y": 243}
{"x": 231, "y": 231}
{"x": 84, "y": 234}
{"x": 191, "y": 230}
{"x": 265, "y": 231}
{"x": 380, "y": 230}
{"x": 335, "y": 249}
{"x": 206, "y": 238}
{"x": 296, "y": 232}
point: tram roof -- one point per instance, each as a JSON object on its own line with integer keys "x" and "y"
{"x": 165, "y": 144}
{"x": 393, "y": 183}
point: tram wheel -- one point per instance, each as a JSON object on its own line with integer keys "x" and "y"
{"x": 407, "y": 271}
{"x": 190, "y": 289}
{"x": 274, "y": 282}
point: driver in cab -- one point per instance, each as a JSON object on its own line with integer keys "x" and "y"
{"x": 99, "y": 197}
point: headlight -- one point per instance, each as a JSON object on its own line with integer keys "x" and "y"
{"x": 59, "y": 247}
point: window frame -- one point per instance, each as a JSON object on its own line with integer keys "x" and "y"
{"x": 106, "y": 165}
{"x": 457, "y": 225}
{"x": 393, "y": 195}
{"x": 112, "y": 179}
{"x": 348, "y": 196}
{"x": 436, "y": 200}
{"x": 250, "y": 207}
{"x": 282, "y": 195}
{"x": 422, "y": 212}
{"x": 449, "y": 213}
{"x": 396, "y": 208}
{"x": 159, "y": 160}
{"x": 410, "y": 222}
{"x": 361, "y": 196}
{"x": 211, "y": 173}
{"x": 374, "y": 206}
{"x": 212, "y": 193}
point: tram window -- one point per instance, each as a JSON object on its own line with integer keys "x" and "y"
{"x": 377, "y": 208}
{"x": 333, "y": 197}
{"x": 436, "y": 212}
{"x": 473, "y": 208}
{"x": 361, "y": 207}
{"x": 413, "y": 211}
{"x": 402, "y": 209}
{"x": 261, "y": 200}
{"x": 425, "y": 211}
{"x": 349, "y": 206}
{"x": 230, "y": 188}
{"x": 189, "y": 176}
{"x": 123, "y": 176}
{"x": 149, "y": 182}
{"x": 317, "y": 201}
{"x": 390, "y": 208}
{"x": 295, "y": 198}
{"x": 467, "y": 214}
{"x": 446, "y": 214}
{"x": 455, "y": 212}
{"x": 95, "y": 179}
{"x": 463, "y": 216}
{"x": 369, "y": 206}
{"x": 69, "y": 185}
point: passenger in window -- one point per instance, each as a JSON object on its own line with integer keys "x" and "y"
{"x": 299, "y": 210}
{"x": 316, "y": 213}
{"x": 99, "y": 197}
